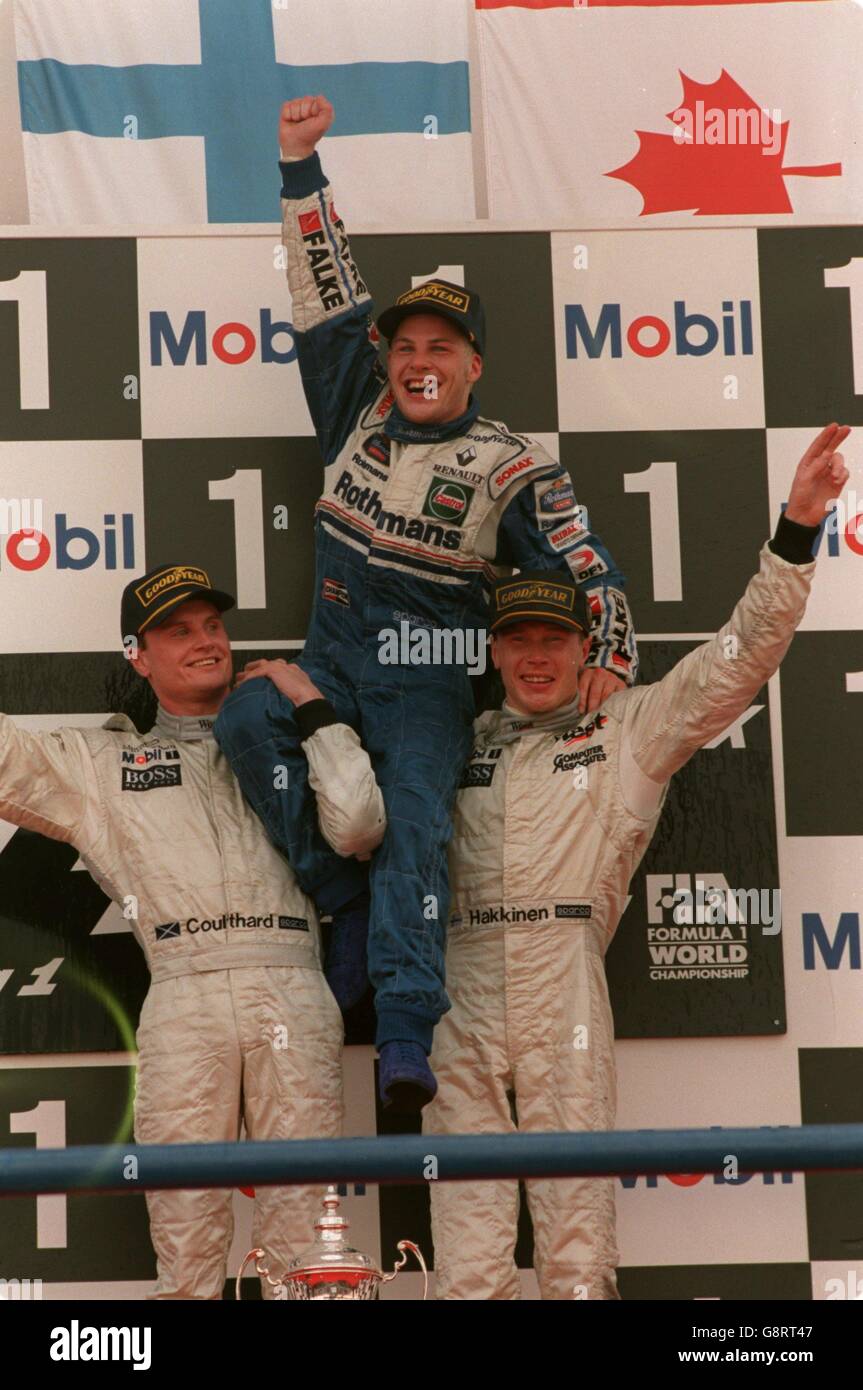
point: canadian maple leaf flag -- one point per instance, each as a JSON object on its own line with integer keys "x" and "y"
{"x": 725, "y": 156}
{"x": 599, "y": 115}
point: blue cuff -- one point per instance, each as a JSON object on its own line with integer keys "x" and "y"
{"x": 302, "y": 176}
{"x": 395, "y": 1025}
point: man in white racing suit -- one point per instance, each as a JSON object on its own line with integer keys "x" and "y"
{"x": 553, "y": 816}
{"x": 239, "y": 1023}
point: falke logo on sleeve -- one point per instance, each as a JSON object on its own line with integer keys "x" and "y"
{"x": 448, "y": 502}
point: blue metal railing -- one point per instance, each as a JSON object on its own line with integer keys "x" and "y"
{"x": 423, "y": 1158}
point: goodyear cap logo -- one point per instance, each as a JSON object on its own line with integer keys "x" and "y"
{"x": 439, "y": 291}
{"x": 461, "y": 306}
{"x": 538, "y": 597}
{"x": 147, "y": 601}
{"x": 151, "y": 589}
{"x": 535, "y": 592}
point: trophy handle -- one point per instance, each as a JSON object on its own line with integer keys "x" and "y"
{"x": 403, "y": 1246}
{"x": 261, "y": 1269}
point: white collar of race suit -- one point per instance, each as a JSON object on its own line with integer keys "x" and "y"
{"x": 184, "y": 728}
{"x": 506, "y": 724}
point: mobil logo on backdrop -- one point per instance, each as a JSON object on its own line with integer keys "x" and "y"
{"x": 660, "y": 331}
{"x": 732, "y": 1174}
{"x": 687, "y": 1180}
{"x": 107, "y": 543}
{"x": 841, "y": 530}
{"x": 71, "y": 536}
{"x": 834, "y": 602}
{"x": 831, "y": 942}
{"x": 681, "y": 330}
{"x": 178, "y": 339}
{"x": 215, "y": 323}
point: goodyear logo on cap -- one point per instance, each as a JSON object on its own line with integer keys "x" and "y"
{"x": 444, "y": 294}
{"x": 175, "y": 577}
{"x": 534, "y": 591}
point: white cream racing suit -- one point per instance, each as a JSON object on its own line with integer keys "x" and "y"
{"x": 541, "y": 861}
{"x": 239, "y": 1023}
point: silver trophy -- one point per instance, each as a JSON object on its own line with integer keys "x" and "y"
{"x": 331, "y": 1268}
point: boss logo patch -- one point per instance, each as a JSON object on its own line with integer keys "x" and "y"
{"x": 147, "y": 779}
{"x": 478, "y": 775}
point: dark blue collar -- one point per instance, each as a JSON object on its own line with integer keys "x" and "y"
{"x": 397, "y": 427}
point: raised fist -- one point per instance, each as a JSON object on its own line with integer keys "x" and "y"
{"x": 302, "y": 122}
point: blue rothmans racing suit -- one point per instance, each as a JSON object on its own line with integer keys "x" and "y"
{"x": 413, "y": 523}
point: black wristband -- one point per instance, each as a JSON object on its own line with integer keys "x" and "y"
{"x": 314, "y": 715}
{"x": 793, "y": 542}
{"x": 300, "y": 177}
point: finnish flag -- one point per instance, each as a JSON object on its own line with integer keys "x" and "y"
{"x": 166, "y": 112}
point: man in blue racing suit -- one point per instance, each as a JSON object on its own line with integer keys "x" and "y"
{"x": 424, "y": 503}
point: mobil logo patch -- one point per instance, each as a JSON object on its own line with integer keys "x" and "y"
{"x": 448, "y": 501}
{"x": 145, "y": 757}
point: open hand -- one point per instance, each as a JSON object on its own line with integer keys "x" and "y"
{"x": 595, "y": 684}
{"x": 288, "y": 677}
{"x": 820, "y": 477}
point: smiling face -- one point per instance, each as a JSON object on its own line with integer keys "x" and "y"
{"x": 431, "y": 368}
{"x": 540, "y": 664}
{"x": 187, "y": 659}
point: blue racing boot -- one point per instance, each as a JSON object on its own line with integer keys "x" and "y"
{"x": 405, "y": 1080}
{"x": 347, "y": 959}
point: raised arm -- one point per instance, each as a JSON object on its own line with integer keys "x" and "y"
{"x": 44, "y": 780}
{"x": 350, "y": 805}
{"x": 339, "y": 364}
{"x": 709, "y": 688}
